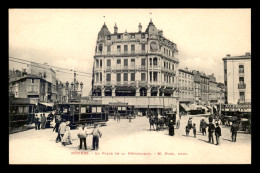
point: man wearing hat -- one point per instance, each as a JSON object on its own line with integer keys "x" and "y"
{"x": 82, "y": 135}
{"x": 233, "y": 130}
{"x": 96, "y": 134}
{"x": 217, "y": 133}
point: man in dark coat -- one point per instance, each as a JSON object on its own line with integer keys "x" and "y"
{"x": 211, "y": 130}
{"x": 217, "y": 133}
{"x": 56, "y": 128}
{"x": 233, "y": 130}
{"x": 171, "y": 128}
{"x": 36, "y": 121}
{"x": 203, "y": 127}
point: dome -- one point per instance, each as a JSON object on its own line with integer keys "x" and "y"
{"x": 104, "y": 31}
{"x": 151, "y": 29}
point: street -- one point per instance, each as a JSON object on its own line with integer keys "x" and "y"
{"x": 132, "y": 142}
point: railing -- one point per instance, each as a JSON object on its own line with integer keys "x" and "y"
{"x": 244, "y": 101}
{"x": 122, "y": 52}
{"x": 169, "y": 70}
{"x": 186, "y": 99}
{"x": 241, "y": 86}
{"x": 122, "y": 67}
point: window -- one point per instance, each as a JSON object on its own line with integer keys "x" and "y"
{"x": 125, "y": 76}
{"x": 118, "y": 77}
{"x": 108, "y": 48}
{"x": 150, "y": 61}
{"x": 118, "y": 61}
{"x": 109, "y": 37}
{"x": 118, "y": 36}
{"x": 125, "y": 62}
{"x": 242, "y": 96}
{"x": 100, "y": 63}
{"x": 241, "y": 68}
{"x": 100, "y": 77}
{"x": 32, "y": 80}
{"x": 143, "y": 47}
{"x": 108, "y": 77}
{"x": 155, "y": 76}
{"x": 100, "y": 48}
{"x": 108, "y": 62}
{"x": 132, "y": 76}
{"x": 143, "y": 77}
{"x": 132, "y": 62}
{"x": 96, "y": 77}
{"x": 118, "y": 48}
{"x": 172, "y": 67}
{"x": 97, "y": 63}
{"x": 241, "y": 80}
{"x": 225, "y": 71}
{"x": 125, "y": 48}
{"x": 132, "y": 48}
{"x": 143, "y": 36}
{"x": 155, "y": 61}
{"x": 143, "y": 62}
{"x": 132, "y": 36}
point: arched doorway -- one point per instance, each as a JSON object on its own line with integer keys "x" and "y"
{"x": 97, "y": 92}
{"x": 108, "y": 91}
{"x": 143, "y": 91}
{"x": 154, "y": 91}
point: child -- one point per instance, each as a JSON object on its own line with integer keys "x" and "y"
{"x": 187, "y": 130}
{"x": 194, "y": 129}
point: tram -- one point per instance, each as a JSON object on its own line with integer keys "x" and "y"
{"x": 79, "y": 113}
{"x": 21, "y": 114}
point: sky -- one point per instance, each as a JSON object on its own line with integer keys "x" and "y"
{"x": 67, "y": 38}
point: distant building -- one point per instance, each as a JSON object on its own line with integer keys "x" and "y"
{"x": 186, "y": 88}
{"x": 237, "y": 78}
{"x": 201, "y": 87}
{"x": 29, "y": 86}
{"x": 138, "y": 68}
{"x": 221, "y": 93}
{"x": 213, "y": 89}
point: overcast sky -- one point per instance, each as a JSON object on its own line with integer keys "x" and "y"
{"x": 67, "y": 37}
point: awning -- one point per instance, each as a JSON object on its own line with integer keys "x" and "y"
{"x": 47, "y": 104}
{"x": 125, "y": 89}
{"x": 185, "y": 107}
{"x": 168, "y": 91}
{"x": 154, "y": 90}
{"x": 193, "y": 107}
{"x": 141, "y": 106}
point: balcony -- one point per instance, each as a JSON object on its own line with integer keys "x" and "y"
{"x": 241, "y": 86}
{"x": 122, "y": 53}
{"x": 121, "y": 67}
{"x": 244, "y": 101}
{"x": 169, "y": 70}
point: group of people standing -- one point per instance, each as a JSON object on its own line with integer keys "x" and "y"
{"x": 64, "y": 135}
{"x": 40, "y": 121}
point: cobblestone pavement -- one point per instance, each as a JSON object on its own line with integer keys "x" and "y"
{"x": 133, "y": 142}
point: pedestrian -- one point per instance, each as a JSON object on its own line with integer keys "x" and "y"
{"x": 190, "y": 123}
{"x": 194, "y": 130}
{"x": 115, "y": 116}
{"x": 66, "y": 140}
{"x": 40, "y": 122}
{"x": 233, "y": 130}
{"x": 36, "y": 121}
{"x": 82, "y": 135}
{"x": 217, "y": 133}
{"x": 96, "y": 134}
{"x": 56, "y": 128}
{"x": 62, "y": 128}
{"x": 118, "y": 117}
{"x": 203, "y": 127}
{"x": 200, "y": 125}
{"x": 187, "y": 130}
{"x": 171, "y": 128}
{"x": 211, "y": 131}
{"x": 43, "y": 121}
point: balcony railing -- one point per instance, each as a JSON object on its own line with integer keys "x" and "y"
{"x": 186, "y": 99}
{"x": 122, "y": 52}
{"x": 122, "y": 67}
{"x": 244, "y": 101}
{"x": 169, "y": 70}
{"x": 241, "y": 86}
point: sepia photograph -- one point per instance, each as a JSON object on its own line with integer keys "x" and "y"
{"x": 129, "y": 86}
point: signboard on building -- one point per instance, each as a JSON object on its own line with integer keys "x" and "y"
{"x": 234, "y": 108}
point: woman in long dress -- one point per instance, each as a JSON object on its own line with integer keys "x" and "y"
{"x": 66, "y": 140}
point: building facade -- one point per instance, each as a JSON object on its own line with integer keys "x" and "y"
{"x": 139, "y": 68}
{"x": 186, "y": 86}
{"x": 213, "y": 89}
{"x": 237, "y": 79}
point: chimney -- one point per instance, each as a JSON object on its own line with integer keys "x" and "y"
{"x": 139, "y": 27}
{"x": 247, "y": 53}
{"x": 228, "y": 55}
{"x": 160, "y": 33}
{"x": 115, "y": 29}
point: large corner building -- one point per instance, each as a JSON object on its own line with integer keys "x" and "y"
{"x": 139, "y": 68}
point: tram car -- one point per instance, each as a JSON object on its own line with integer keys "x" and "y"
{"x": 21, "y": 114}
{"x": 87, "y": 113}
{"x": 123, "y": 109}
